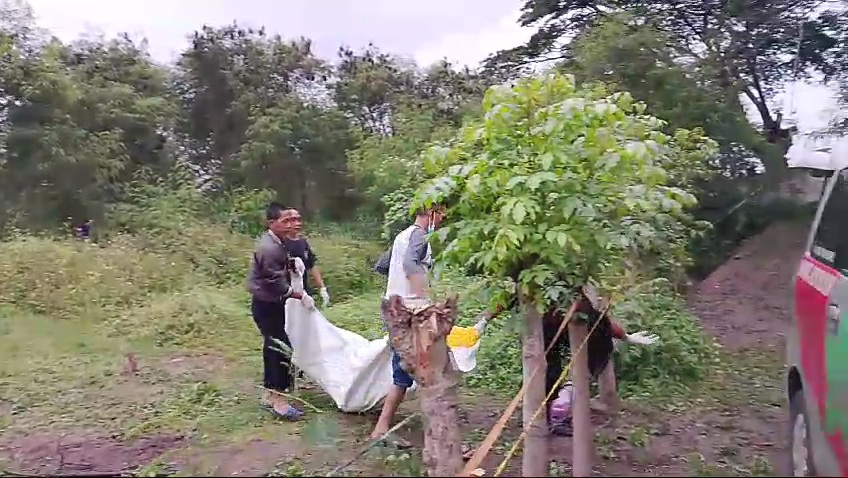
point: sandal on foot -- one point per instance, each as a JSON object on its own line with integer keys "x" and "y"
{"x": 563, "y": 429}
{"x": 291, "y": 414}
{"x": 395, "y": 441}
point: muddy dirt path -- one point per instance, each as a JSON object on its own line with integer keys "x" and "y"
{"x": 746, "y": 302}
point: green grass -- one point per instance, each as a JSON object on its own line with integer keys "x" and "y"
{"x": 66, "y": 375}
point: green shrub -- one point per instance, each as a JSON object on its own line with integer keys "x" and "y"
{"x": 346, "y": 265}
{"x": 211, "y": 251}
{"x": 199, "y": 316}
{"x": 69, "y": 279}
{"x": 683, "y": 357}
{"x": 244, "y": 210}
{"x": 216, "y": 237}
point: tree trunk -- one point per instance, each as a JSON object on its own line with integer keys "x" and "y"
{"x": 581, "y": 463}
{"x": 418, "y": 336}
{"x": 535, "y": 459}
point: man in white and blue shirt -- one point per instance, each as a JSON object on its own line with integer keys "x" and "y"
{"x": 407, "y": 267}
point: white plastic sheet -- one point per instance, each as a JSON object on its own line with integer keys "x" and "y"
{"x": 354, "y": 371}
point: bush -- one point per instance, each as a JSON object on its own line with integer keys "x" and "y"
{"x": 346, "y": 265}
{"x": 211, "y": 251}
{"x": 198, "y": 316}
{"x": 216, "y": 238}
{"x": 683, "y": 357}
{"x": 70, "y": 279}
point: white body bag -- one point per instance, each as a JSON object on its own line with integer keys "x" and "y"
{"x": 354, "y": 371}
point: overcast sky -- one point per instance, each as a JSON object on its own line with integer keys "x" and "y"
{"x": 463, "y": 31}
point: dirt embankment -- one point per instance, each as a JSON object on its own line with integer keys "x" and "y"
{"x": 746, "y": 302}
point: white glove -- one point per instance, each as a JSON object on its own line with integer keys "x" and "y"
{"x": 325, "y": 296}
{"x": 308, "y": 302}
{"x": 642, "y": 338}
{"x": 480, "y": 326}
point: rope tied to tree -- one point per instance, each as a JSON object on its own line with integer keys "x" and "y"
{"x": 496, "y": 430}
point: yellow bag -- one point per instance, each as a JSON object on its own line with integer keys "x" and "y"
{"x": 462, "y": 337}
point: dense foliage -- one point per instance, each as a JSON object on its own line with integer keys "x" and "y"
{"x": 558, "y": 187}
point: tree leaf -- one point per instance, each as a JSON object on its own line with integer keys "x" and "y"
{"x": 519, "y": 212}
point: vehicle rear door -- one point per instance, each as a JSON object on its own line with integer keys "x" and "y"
{"x": 821, "y": 308}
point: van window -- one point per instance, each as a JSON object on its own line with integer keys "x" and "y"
{"x": 830, "y": 245}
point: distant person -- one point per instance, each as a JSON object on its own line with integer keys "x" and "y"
{"x": 409, "y": 263}
{"x": 298, "y": 246}
{"x": 269, "y": 283}
{"x": 84, "y": 230}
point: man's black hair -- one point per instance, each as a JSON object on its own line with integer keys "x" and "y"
{"x": 274, "y": 210}
{"x": 424, "y": 211}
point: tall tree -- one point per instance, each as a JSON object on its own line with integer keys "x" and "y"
{"x": 399, "y": 108}
{"x": 642, "y": 60}
{"x": 227, "y": 75}
{"x": 77, "y": 121}
{"x": 368, "y": 85}
{"x": 54, "y": 168}
{"x": 125, "y": 91}
{"x": 557, "y": 187}
{"x": 298, "y": 149}
{"x": 746, "y": 46}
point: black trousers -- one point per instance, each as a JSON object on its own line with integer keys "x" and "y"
{"x": 270, "y": 318}
{"x": 599, "y": 347}
{"x": 554, "y": 357}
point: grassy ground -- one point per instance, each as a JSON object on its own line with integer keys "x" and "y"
{"x": 70, "y": 380}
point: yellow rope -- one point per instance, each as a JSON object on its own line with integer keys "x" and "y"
{"x": 559, "y": 381}
{"x": 496, "y": 430}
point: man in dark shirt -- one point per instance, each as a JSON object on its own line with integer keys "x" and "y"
{"x": 298, "y": 246}
{"x": 269, "y": 283}
{"x": 600, "y": 344}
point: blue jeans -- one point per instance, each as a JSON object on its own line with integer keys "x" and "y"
{"x": 399, "y": 376}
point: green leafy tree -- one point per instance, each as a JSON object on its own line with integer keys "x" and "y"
{"x": 298, "y": 150}
{"x": 554, "y": 188}
{"x": 76, "y": 122}
{"x": 744, "y": 47}
{"x": 54, "y": 167}
{"x": 642, "y": 60}
{"x": 398, "y": 108}
{"x": 228, "y": 76}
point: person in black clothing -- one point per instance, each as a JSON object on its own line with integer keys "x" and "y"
{"x": 599, "y": 346}
{"x": 298, "y": 246}
{"x": 269, "y": 283}
{"x": 84, "y": 230}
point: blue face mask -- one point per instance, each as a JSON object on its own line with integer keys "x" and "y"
{"x": 431, "y": 225}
